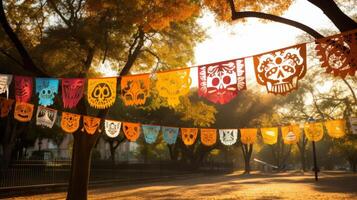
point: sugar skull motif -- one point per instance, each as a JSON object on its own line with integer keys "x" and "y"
{"x": 280, "y": 70}
{"x": 248, "y": 135}
{"x": 314, "y": 131}
{"x": 336, "y": 128}
{"x": 170, "y": 134}
{"x": 5, "y": 106}
{"x": 208, "y": 136}
{"x": 112, "y": 128}
{"x": 220, "y": 82}
{"x": 46, "y": 117}
{"x": 70, "y": 122}
{"x": 291, "y": 134}
{"x": 23, "y": 111}
{"x": 172, "y": 85}
{"x": 46, "y": 88}
{"x": 135, "y": 89}
{"x": 228, "y": 136}
{"x": 91, "y": 124}
{"x": 131, "y": 131}
{"x": 338, "y": 54}
{"x": 5, "y": 81}
{"x": 72, "y": 91}
{"x": 23, "y": 88}
{"x": 102, "y": 92}
{"x": 150, "y": 133}
{"x": 270, "y": 135}
{"x": 189, "y": 135}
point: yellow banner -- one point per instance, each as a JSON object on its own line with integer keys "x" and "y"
{"x": 314, "y": 131}
{"x": 336, "y": 128}
{"x": 270, "y": 135}
{"x": 248, "y": 135}
{"x": 291, "y": 134}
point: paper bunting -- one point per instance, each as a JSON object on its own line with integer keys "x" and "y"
{"x": 5, "y": 106}
{"x": 172, "y": 85}
{"x": 102, "y": 92}
{"x": 314, "y": 131}
{"x": 5, "y": 81}
{"x": 150, "y": 133}
{"x": 23, "y": 88}
{"x": 270, "y": 135}
{"x": 46, "y": 88}
{"x": 70, "y": 122}
{"x": 91, "y": 124}
{"x": 208, "y": 136}
{"x": 220, "y": 82}
{"x": 23, "y": 111}
{"x": 135, "y": 89}
{"x": 291, "y": 134}
{"x": 336, "y": 128}
{"x": 72, "y": 91}
{"x": 228, "y": 136}
{"x": 131, "y": 131}
{"x": 353, "y": 123}
{"x": 112, "y": 128}
{"x": 248, "y": 135}
{"x": 46, "y": 116}
{"x": 338, "y": 54}
{"x": 280, "y": 70}
{"x": 189, "y": 135}
{"x": 170, "y": 134}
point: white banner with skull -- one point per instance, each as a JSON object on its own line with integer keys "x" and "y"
{"x": 353, "y": 122}
{"x": 5, "y": 81}
{"x": 46, "y": 116}
{"x": 112, "y": 128}
{"x": 228, "y": 136}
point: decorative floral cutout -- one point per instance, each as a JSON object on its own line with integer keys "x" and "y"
{"x": 46, "y": 88}
{"x": 150, "y": 133}
{"x": 5, "y": 106}
{"x": 314, "y": 131}
{"x": 280, "y": 70}
{"x": 172, "y": 85}
{"x": 291, "y": 134}
{"x": 336, "y": 128}
{"x": 46, "y": 116}
{"x": 23, "y": 111}
{"x": 220, "y": 82}
{"x": 248, "y": 135}
{"x": 228, "y": 136}
{"x": 131, "y": 131}
{"x": 5, "y": 81}
{"x": 270, "y": 135}
{"x": 72, "y": 91}
{"x": 70, "y": 122}
{"x": 112, "y": 128}
{"x": 189, "y": 135}
{"x": 135, "y": 89}
{"x": 170, "y": 134}
{"x": 208, "y": 136}
{"x": 23, "y": 88}
{"x": 102, "y": 92}
{"x": 91, "y": 124}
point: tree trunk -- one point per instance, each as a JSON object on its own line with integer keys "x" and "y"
{"x": 112, "y": 153}
{"x": 247, "y": 154}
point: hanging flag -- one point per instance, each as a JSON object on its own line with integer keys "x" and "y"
{"x": 72, "y": 91}
{"x": 314, "y": 131}
{"x": 131, "y": 131}
{"x": 135, "y": 89}
{"x": 248, "y": 135}
{"x": 101, "y": 92}
{"x": 23, "y": 111}
{"x": 5, "y": 81}
{"x": 220, "y": 82}
{"x": 150, "y": 133}
{"x": 291, "y": 134}
{"x": 23, "y": 88}
{"x": 270, "y": 135}
{"x": 208, "y": 136}
{"x": 172, "y": 85}
{"x": 338, "y": 54}
{"x": 170, "y": 134}
{"x": 5, "y": 106}
{"x": 353, "y": 122}
{"x": 46, "y": 116}
{"x": 70, "y": 122}
{"x": 228, "y": 136}
{"x": 336, "y": 128}
{"x": 189, "y": 135}
{"x": 91, "y": 124}
{"x": 112, "y": 128}
{"x": 280, "y": 70}
{"x": 46, "y": 88}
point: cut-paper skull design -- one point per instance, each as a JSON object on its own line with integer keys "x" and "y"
{"x": 248, "y": 135}
{"x": 220, "y": 82}
{"x": 314, "y": 131}
{"x": 72, "y": 91}
{"x": 338, "y": 54}
{"x": 172, "y": 85}
{"x": 46, "y": 116}
{"x": 112, "y": 128}
{"x": 228, "y": 136}
{"x": 280, "y": 70}
{"x": 291, "y": 134}
{"x": 189, "y": 135}
{"x": 23, "y": 88}
{"x": 23, "y": 111}
{"x": 150, "y": 133}
{"x": 46, "y": 88}
{"x": 102, "y": 92}
{"x": 270, "y": 135}
{"x": 131, "y": 131}
{"x": 91, "y": 124}
{"x": 170, "y": 134}
{"x": 70, "y": 122}
{"x": 336, "y": 128}
{"x": 135, "y": 89}
{"x": 5, "y": 106}
{"x": 208, "y": 136}
{"x": 5, "y": 81}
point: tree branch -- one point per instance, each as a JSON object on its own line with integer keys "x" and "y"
{"x": 351, "y": 89}
{"x": 11, "y": 57}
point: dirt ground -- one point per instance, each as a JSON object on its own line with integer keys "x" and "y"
{"x": 331, "y": 185}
